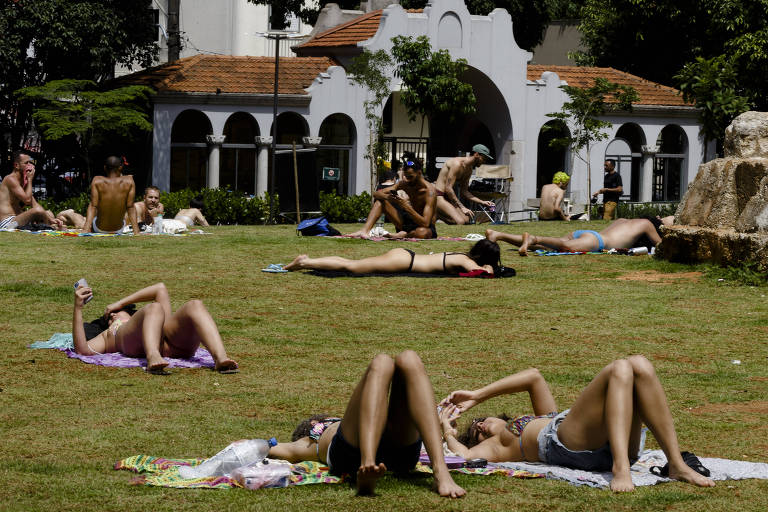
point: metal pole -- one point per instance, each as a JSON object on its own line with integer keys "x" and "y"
{"x": 274, "y": 134}
{"x": 296, "y": 184}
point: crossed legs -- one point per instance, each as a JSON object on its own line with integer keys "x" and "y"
{"x": 612, "y": 408}
{"x": 409, "y": 414}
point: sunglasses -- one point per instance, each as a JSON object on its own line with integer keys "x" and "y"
{"x": 410, "y": 163}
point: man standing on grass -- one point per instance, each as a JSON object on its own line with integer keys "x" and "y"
{"x": 111, "y": 199}
{"x": 413, "y": 217}
{"x": 455, "y": 171}
{"x": 16, "y": 194}
{"x": 612, "y": 190}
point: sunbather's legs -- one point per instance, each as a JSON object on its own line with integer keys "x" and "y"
{"x": 142, "y": 335}
{"x": 190, "y": 326}
{"x": 71, "y": 218}
{"x": 395, "y": 260}
{"x": 413, "y": 414}
{"x": 365, "y": 418}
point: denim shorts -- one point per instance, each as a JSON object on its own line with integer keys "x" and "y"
{"x": 552, "y": 451}
{"x": 343, "y": 458}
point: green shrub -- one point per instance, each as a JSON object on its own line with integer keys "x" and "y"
{"x": 220, "y": 206}
{"x": 78, "y": 203}
{"x": 637, "y": 210}
{"x": 338, "y": 208}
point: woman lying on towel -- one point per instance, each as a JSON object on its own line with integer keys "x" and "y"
{"x": 153, "y": 331}
{"x": 484, "y": 255}
{"x": 391, "y": 412}
{"x": 600, "y": 432}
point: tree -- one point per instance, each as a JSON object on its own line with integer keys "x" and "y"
{"x": 45, "y": 40}
{"x": 637, "y": 35}
{"x": 74, "y": 108}
{"x": 431, "y": 80}
{"x": 372, "y": 70}
{"x": 715, "y": 88}
{"x": 581, "y": 113}
{"x": 307, "y": 11}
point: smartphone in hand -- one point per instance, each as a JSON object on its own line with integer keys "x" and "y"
{"x": 82, "y": 282}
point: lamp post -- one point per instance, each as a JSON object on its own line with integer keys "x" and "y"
{"x": 277, "y": 36}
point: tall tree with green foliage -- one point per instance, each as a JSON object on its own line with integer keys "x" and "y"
{"x": 431, "y": 80}
{"x": 75, "y": 108}
{"x": 372, "y": 70}
{"x": 306, "y": 11}
{"x": 45, "y": 40}
{"x": 701, "y": 46}
{"x": 582, "y": 113}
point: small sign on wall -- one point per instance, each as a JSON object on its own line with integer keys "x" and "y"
{"x": 331, "y": 173}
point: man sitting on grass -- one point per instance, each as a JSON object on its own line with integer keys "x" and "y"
{"x": 413, "y": 217}
{"x": 111, "y": 198}
{"x": 16, "y": 195}
{"x": 620, "y": 234}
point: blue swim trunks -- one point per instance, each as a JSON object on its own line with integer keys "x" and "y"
{"x": 601, "y": 243}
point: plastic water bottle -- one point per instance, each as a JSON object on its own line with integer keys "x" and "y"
{"x": 263, "y": 475}
{"x": 240, "y": 453}
{"x": 157, "y": 225}
{"x": 635, "y": 251}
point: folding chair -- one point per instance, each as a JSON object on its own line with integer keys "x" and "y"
{"x": 494, "y": 181}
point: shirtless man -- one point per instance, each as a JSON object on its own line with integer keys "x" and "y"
{"x": 459, "y": 170}
{"x": 413, "y": 217}
{"x": 111, "y": 198}
{"x": 150, "y": 207}
{"x": 552, "y": 196}
{"x": 620, "y": 234}
{"x": 16, "y": 194}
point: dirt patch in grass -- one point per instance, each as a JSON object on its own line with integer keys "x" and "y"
{"x": 651, "y": 276}
{"x": 757, "y": 406}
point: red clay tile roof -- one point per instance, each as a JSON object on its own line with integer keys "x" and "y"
{"x": 350, "y": 33}
{"x": 231, "y": 74}
{"x": 650, "y": 93}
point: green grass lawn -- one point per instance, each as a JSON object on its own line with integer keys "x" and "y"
{"x": 302, "y": 342}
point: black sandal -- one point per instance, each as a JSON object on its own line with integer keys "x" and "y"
{"x": 689, "y": 458}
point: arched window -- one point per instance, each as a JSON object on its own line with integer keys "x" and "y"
{"x": 238, "y": 153}
{"x": 629, "y": 162}
{"x": 668, "y": 164}
{"x": 189, "y": 150}
{"x": 338, "y": 139}
{"x": 551, "y": 159}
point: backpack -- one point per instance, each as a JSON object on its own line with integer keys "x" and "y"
{"x": 316, "y": 227}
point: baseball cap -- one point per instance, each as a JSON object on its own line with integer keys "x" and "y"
{"x": 479, "y": 148}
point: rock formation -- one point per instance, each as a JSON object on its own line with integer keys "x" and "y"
{"x": 723, "y": 216}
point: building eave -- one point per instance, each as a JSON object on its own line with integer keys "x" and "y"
{"x": 259, "y": 100}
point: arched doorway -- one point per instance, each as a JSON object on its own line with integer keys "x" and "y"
{"x": 189, "y": 150}
{"x": 292, "y": 128}
{"x": 551, "y": 159}
{"x": 238, "y": 153}
{"x": 629, "y": 161}
{"x": 338, "y": 139}
{"x": 668, "y": 164}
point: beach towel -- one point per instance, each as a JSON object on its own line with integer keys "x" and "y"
{"x": 382, "y": 238}
{"x": 162, "y": 472}
{"x": 65, "y": 343}
{"x": 721, "y": 469}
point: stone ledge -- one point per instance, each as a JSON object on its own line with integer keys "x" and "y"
{"x": 691, "y": 244}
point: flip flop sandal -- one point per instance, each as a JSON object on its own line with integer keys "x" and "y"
{"x": 689, "y": 458}
{"x": 275, "y": 268}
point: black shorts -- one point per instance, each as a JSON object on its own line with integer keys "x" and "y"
{"x": 343, "y": 458}
{"x": 409, "y": 224}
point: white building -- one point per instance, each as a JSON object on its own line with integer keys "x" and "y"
{"x": 213, "y": 114}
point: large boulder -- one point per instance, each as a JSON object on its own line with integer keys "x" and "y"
{"x": 723, "y": 216}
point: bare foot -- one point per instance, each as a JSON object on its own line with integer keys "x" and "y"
{"x": 447, "y": 488}
{"x": 296, "y": 263}
{"x": 367, "y": 476}
{"x": 396, "y": 236}
{"x": 227, "y": 366}
{"x": 622, "y": 482}
{"x": 686, "y": 474}
{"x": 156, "y": 365}
{"x": 523, "y": 250}
{"x": 491, "y": 235}
{"x": 361, "y": 233}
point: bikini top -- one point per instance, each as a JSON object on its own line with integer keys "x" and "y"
{"x": 318, "y": 428}
{"x": 517, "y": 425}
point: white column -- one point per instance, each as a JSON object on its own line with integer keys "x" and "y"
{"x": 646, "y": 179}
{"x": 214, "y": 144}
{"x": 262, "y": 165}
